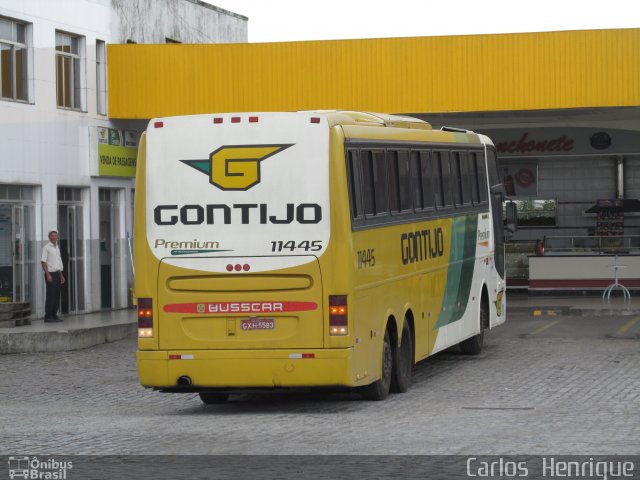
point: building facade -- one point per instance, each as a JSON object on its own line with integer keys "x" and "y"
{"x": 65, "y": 164}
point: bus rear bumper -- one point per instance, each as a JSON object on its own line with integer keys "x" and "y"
{"x": 247, "y": 368}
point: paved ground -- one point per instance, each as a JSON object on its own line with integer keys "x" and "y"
{"x": 543, "y": 385}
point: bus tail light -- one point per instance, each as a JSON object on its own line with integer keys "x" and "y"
{"x": 145, "y": 318}
{"x": 338, "y": 315}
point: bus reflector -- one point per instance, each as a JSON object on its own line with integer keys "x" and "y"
{"x": 217, "y": 120}
{"x": 253, "y": 119}
{"x": 315, "y": 119}
{"x": 235, "y": 119}
{"x": 158, "y": 124}
{"x": 145, "y": 318}
{"x": 302, "y": 355}
{"x": 338, "y": 315}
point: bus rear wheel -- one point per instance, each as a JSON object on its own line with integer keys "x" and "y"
{"x": 213, "y": 398}
{"x": 403, "y": 362}
{"x": 473, "y": 345}
{"x": 379, "y": 390}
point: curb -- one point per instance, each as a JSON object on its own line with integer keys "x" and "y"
{"x": 64, "y": 340}
{"x": 573, "y": 311}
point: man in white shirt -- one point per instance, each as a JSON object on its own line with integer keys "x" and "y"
{"x": 52, "y": 266}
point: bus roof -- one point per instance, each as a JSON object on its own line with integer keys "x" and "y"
{"x": 355, "y": 124}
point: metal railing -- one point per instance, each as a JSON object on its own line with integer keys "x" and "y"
{"x": 592, "y": 245}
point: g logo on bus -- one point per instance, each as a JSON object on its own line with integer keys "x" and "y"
{"x": 235, "y": 167}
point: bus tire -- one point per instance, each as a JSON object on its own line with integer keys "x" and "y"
{"x": 379, "y": 390}
{"x": 213, "y": 398}
{"x": 403, "y": 362}
{"x": 473, "y": 345}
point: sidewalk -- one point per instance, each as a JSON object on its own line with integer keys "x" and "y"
{"x": 82, "y": 331}
{"x": 73, "y": 333}
{"x": 590, "y": 304}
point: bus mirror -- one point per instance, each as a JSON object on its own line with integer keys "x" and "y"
{"x": 497, "y": 189}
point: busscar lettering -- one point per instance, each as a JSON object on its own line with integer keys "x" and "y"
{"x": 243, "y": 213}
{"x": 246, "y": 307}
{"x": 422, "y": 245}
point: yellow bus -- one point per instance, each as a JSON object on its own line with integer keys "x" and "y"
{"x": 311, "y": 249}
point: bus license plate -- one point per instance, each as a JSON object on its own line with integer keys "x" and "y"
{"x": 258, "y": 324}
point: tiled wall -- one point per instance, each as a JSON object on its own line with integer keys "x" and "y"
{"x": 576, "y": 183}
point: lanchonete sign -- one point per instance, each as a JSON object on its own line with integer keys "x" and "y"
{"x": 550, "y": 141}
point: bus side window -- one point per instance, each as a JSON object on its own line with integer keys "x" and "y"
{"x": 353, "y": 172}
{"x": 467, "y": 185}
{"x": 456, "y": 179}
{"x": 481, "y": 177}
{"x": 368, "y": 188}
{"x": 394, "y": 185}
{"x": 381, "y": 199}
{"x": 416, "y": 184}
{"x": 447, "y": 183}
{"x": 404, "y": 181}
{"x": 426, "y": 178}
{"x": 492, "y": 167}
{"x": 437, "y": 181}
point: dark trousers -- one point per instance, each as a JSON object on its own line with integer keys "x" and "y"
{"x": 52, "y": 302}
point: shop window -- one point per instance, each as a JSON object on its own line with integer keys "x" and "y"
{"x": 70, "y": 70}
{"x": 13, "y": 60}
{"x": 535, "y": 213}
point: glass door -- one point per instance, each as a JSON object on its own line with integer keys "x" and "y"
{"x": 110, "y": 247}
{"x": 16, "y": 259}
{"x": 19, "y": 264}
{"x": 72, "y": 252}
{"x": 17, "y": 251}
{"x": 6, "y": 253}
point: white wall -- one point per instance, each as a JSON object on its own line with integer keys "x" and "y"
{"x": 47, "y": 146}
{"x": 185, "y": 21}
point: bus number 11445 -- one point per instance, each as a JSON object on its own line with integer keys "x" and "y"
{"x": 366, "y": 258}
{"x": 291, "y": 245}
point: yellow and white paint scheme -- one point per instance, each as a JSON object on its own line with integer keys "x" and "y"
{"x": 244, "y": 233}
